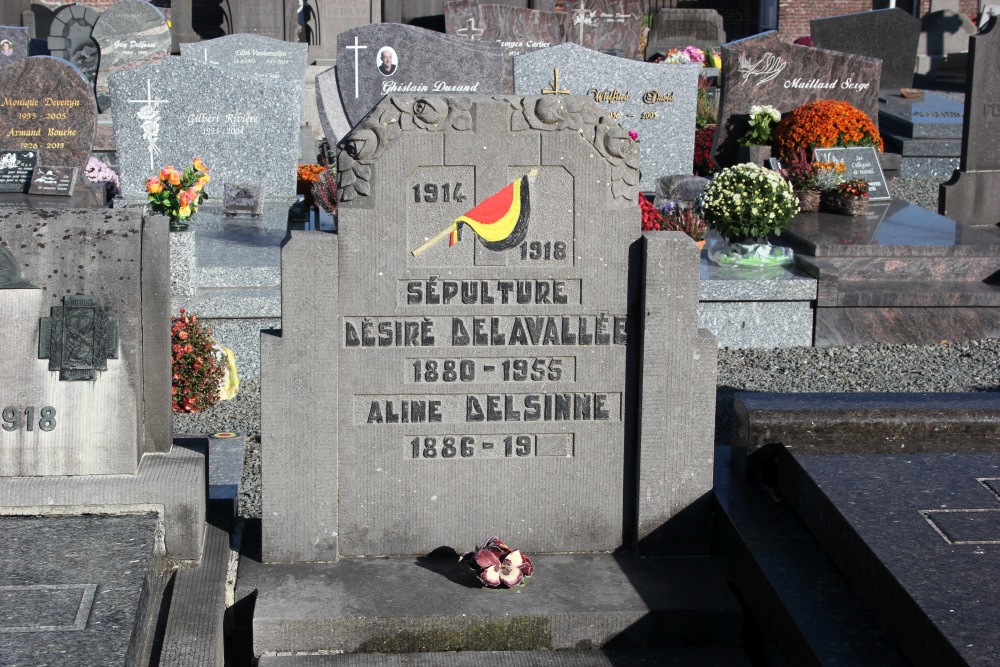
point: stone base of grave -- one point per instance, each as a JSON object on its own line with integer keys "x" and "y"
{"x": 429, "y": 604}
{"x": 972, "y": 198}
{"x": 867, "y": 533}
{"x": 171, "y": 485}
{"x": 899, "y": 274}
{"x": 674, "y": 657}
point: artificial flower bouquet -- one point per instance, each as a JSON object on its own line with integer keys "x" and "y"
{"x": 177, "y": 194}
{"x": 203, "y": 372}
{"x": 495, "y": 564}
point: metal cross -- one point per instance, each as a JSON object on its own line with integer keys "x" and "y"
{"x": 470, "y": 31}
{"x": 357, "y": 51}
{"x": 555, "y": 86}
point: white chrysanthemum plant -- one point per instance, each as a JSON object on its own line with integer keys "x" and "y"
{"x": 746, "y": 204}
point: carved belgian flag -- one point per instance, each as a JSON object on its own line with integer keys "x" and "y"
{"x": 500, "y": 220}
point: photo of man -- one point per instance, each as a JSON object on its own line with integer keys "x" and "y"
{"x": 387, "y": 60}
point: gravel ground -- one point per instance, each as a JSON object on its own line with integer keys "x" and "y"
{"x": 946, "y": 367}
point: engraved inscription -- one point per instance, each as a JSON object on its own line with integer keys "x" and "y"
{"x": 481, "y": 408}
{"x": 375, "y": 332}
{"x": 487, "y": 446}
{"x": 489, "y": 370}
{"x": 28, "y": 418}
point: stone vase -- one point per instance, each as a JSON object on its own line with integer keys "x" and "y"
{"x": 759, "y": 155}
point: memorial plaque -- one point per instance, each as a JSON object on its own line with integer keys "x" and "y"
{"x": 890, "y": 35}
{"x": 130, "y": 33}
{"x": 13, "y": 45}
{"x": 70, "y": 38}
{"x": 656, "y": 101}
{"x": 15, "y": 170}
{"x": 72, "y": 361}
{"x": 419, "y": 62}
{"x": 54, "y": 180}
{"x": 47, "y": 107}
{"x": 242, "y": 200}
{"x": 245, "y": 130}
{"x": 765, "y": 70}
{"x": 860, "y": 162}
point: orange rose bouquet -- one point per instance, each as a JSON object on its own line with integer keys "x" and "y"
{"x": 178, "y": 195}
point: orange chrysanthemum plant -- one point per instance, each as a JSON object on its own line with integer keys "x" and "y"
{"x": 178, "y": 195}
{"x": 824, "y": 124}
{"x": 197, "y": 371}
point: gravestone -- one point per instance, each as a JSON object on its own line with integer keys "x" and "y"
{"x": 972, "y": 195}
{"x": 765, "y": 70}
{"x": 942, "y": 32}
{"x": 256, "y": 57}
{"x": 609, "y": 26}
{"x": 859, "y": 162}
{"x": 13, "y": 45}
{"x": 10, "y": 12}
{"x": 501, "y": 366}
{"x": 15, "y": 170}
{"x": 71, "y": 38}
{"x": 888, "y": 34}
{"x": 515, "y": 30}
{"x": 677, "y": 28}
{"x": 324, "y": 20}
{"x": 276, "y": 19}
{"x": 422, "y": 61}
{"x": 245, "y": 130}
{"x": 49, "y": 108}
{"x": 657, "y": 101}
{"x": 129, "y": 34}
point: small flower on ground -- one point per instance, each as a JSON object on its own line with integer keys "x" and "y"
{"x": 499, "y": 565}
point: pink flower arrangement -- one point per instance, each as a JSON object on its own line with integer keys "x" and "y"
{"x": 694, "y": 54}
{"x": 497, "y": 565}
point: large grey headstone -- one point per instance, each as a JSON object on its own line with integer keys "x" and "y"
{"x": 972, "y": 196}
{"x": 13, "y": 45}
{"x": 277, "y": 19}
{"x": 423, "y": 62}
{"x": 677, "y": 28}
{"x": 257, "y": 57}
{"x": 888, "y": 34}
{"x": 130, "y": 33}
{"x": 70, "y": 38}
{"x": 657, "y": 101}
{"x": 73, "y": 343}
{"x": 51, "y": 111}
{"x": 944, "y": 31}
{"x": 765, "y": 70}
{"x": 246, "y": 130}
{"x": 326, "y": 19}
{"x": 480, "y": 374}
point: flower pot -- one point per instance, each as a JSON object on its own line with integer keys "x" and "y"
{"x": 808, "y": 200}
{"x": 756, "y": 154}
{"x": 836, "y": 202}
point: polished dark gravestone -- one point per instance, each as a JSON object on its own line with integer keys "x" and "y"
{"x": 515, "y": 30}
{"x": 49, "y": 108}
{"x": 919, "y": 549}
{"x": 657, "y": 101}
{"x": 677, "y": 28}
{"x": 608, "y": 26}
{"x": 888, "y": 34}
{"x": 130, "y": 33}
{"x": 71, "y": 38}
{"x": 13, "y": 45}
{"x": 420, "y": 62}
{"x": 765, "y": 70}
{"x": 972, "y": 196}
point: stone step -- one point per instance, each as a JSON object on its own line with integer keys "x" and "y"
{"x": 831, "y": 423}
{"x": 917, "y": 536}
{"x": 802, "y": 608}
{"x": 922, "y": 147}
{"x": 403, "y": 605}
{"x": 673, "y": 657}
{"x": 243, "y": 276}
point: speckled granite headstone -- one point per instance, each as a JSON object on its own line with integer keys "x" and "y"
{"x": 677, "y": 28}
{"x": 255, "y": 56}
{"x": 246, "y": 130}
{"x": 48, "y": 106}
{"x": 888, "y": 34}
{"x": 765, "y": 70}
{"x": 130, "y": 33}
{"x": 657, "y": 101}
{"x": 13, "y": 45}
{"x": 422, "y": 61}
{"x": 70, "y": 38}
{"x": 72, "y": 362}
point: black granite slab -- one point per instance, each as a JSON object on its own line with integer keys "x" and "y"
{"x": 932, "y": 116}
{"x": 888, "y": 34}
{"x": 889, "y": 230}
{"x": 930, "y": 147}
{"x": 901, "y": 527}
